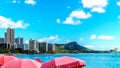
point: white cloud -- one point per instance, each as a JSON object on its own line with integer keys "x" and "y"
{"x": 16, "y": 1}
{"x": 93, "y": 37}
{"x": 98, "y": 9}
{"x": 89, "y": 46}
{"x": 118, "y": 3}
{"x": 31, "y": 2}
{"x": 75, "y": 16}
{"x": 7, "y": 22}
{"x": 69, "y": 20}
{"x": 103, "y": 37}
{"x": 80, "y": 14}
{"x": 95, "y": 5}
{"x": 49, "y": 39}
{"x": 58, "y": 21}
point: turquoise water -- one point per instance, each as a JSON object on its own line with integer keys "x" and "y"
{"x": 93, "y": 60}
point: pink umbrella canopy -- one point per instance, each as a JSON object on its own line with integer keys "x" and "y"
{"x": 22, "y": 63}
{"x": 5, "y": 59}
{"x": 64, "y": 62}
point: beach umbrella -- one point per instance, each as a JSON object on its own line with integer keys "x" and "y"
{"x": 64, "y": 62}
{"x": 38, "y": 60}
{"x": 22, "y": 63}
{"x": 5, "y": 59}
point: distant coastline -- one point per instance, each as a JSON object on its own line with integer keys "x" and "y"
{"x": 72, "y": 47}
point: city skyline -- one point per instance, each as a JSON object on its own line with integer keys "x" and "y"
{"x": 93, "y": 24}
{"x": 8, "y": 41}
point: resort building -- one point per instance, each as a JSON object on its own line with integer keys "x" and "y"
{"x": 51, "y": 47}
{"x": 19, "y": 42}
{"x": 5, "y": 35}
{"x": 25, "y": 47}
{"x": 43, "y": 46}
{"x": 2, "y": 40}
{"x": 33, "y": 45}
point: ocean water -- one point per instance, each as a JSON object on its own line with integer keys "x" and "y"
{"x": 93, "y": 60}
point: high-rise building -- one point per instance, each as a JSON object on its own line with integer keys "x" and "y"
{"x": 33, "y": 45}
{"x": 43, "y": 46}
{"x": 26, "y": 47}
{"x": 5, "y": 35}
{"x": 19, "y": 40}
{"x": 2, "y": 40}
{"x": 9, "y": 37}
{"x": 51, "y": 47}
{"x": 19, "y": 43}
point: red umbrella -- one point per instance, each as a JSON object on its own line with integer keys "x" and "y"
{"x": 64, "y": 62}
{"x": 22, "y": 63}
{"x": 38, "y": 60}
{"x": 5, "y": 59}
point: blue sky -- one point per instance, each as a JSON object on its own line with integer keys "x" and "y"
{"x": 92, "y": 23}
